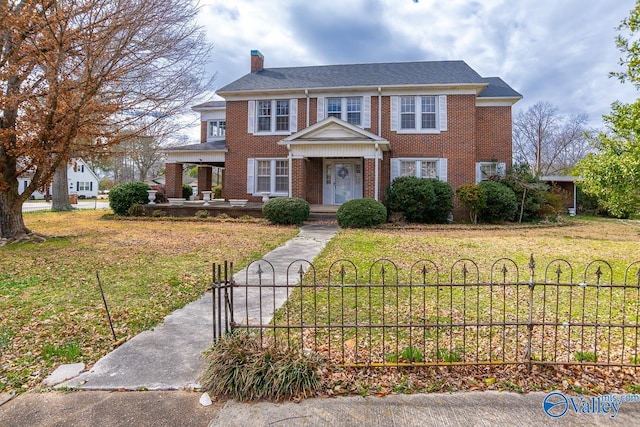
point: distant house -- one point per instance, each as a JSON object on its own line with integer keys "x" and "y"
{"x": 329, "y": 134}
{"x": 82, "y": 181}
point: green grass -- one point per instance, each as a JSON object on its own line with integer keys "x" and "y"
{"x": 434, "y": 309}
{"x": 52, "y": 311}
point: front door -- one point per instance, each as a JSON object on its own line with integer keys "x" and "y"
{"x": 343, "y": 181}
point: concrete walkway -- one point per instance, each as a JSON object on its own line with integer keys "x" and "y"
{"x": 169, "y": 357}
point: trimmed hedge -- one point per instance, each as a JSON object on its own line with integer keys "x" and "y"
{"x": 187, "y": 191}
{"x": 286, "y": 210}
{"x": 125, "y": 195}
{"x": 361, "y": 213}
{"x": 501, "y": 203}
{"x": 420, "y": 200}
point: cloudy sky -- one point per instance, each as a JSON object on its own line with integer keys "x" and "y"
{"x": 548, "y": 50}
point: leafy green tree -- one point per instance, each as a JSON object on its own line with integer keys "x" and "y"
{"x": 612, "y": 173}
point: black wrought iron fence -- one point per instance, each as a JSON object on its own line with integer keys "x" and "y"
{"x": 560, "y": 318}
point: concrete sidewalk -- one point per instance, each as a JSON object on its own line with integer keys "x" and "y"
{"x": 169, "y": 357}
{"x": 181, "y": 408}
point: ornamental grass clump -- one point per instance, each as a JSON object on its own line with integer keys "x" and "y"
{"x": 240, "y": 368}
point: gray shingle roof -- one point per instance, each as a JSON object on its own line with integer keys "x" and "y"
{"x": 497, "y": 88}
{"x": 210, "y": 104}
{"x": 358, "y": 75}
{"x": 204, "y": 146}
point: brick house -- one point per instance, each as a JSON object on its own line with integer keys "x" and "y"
{"x": 333, "y": 133}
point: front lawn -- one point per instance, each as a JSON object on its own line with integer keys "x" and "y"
{"x": 50, "y": 303}
{"x": 362, "y": 325}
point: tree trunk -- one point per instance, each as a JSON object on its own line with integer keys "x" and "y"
{"x": 60, "y": 189}
{"x": 11, "y": 221}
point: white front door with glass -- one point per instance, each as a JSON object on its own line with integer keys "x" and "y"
{"x": 342, "y": 181}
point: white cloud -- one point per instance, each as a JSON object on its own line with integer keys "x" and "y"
{"x": 555, "y": 51}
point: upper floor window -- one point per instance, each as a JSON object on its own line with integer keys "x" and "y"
{"x": 410, "y": 118}
{"x": 84, "y": 186}
{"x": 419, "y": 114}
{"x": 216, "y": 128}
{"x": 272, "y": 116}
{"x": 267, "y": 121}
{"x": 348, "y": 109}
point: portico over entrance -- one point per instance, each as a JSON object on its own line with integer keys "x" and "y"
{"x": 333, "y": 161}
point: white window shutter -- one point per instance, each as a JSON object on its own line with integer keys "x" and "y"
{"x": 366, "y": 112}
{"x": 478, "y": 174}
{"x": 501, "y": 169}
{"x": 395, "y": 169}
{"x": 293, "y": 115}
{"x": 442, "y": 170}
{"x": 251, "y": 169}
{"x": 442, "y": 103}
{"x": 251, "y": 121}
{"x": 320, "y": 108}
{"x": 395, "y": 101}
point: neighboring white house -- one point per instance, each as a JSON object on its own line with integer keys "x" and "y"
{"x": 82, "y": 181}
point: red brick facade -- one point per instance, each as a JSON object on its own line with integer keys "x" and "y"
{"x": 314, "y": 160}
{"x": 474, "y": 134}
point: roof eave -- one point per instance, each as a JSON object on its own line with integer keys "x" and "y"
{"x": 367, "y": 88}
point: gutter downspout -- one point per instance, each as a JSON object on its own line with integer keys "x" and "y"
{"x": 380, "y": 111}
{"x": 377, "y": 167}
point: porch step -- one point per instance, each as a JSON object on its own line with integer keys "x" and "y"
{"x": 322, "y": 212}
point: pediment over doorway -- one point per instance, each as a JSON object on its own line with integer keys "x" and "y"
{"x": 334, "y": 130}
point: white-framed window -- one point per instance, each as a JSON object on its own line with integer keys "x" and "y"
{"x": 348, "y": 109}
{"x": 84, "y": 186}
{"x": 353, "y": 109}
{"x": 264, "y": 116}
{"x": 419, "y": 113}
{"x": 407, "y": 112}
{"x": 422, "y": 118}
{"x": 432, "y": 168}
{"x": 216, "y": 128}
{"x": 282, "y": 115}
{"x": 487, "y": 170}
{"x": 268, "y": 175}
{"x": 278, "y": 116}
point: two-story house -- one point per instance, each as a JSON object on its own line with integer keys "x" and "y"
{"x": 329, "y": 134}
{"x": 81, "y": 179}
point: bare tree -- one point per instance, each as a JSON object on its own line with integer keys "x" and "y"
{"x": 548, "y": 142}
{"x": 72, "y": 71}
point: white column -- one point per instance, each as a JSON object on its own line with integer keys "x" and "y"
{"x": 377, "y": 178}
{"x": 290, "y": 168}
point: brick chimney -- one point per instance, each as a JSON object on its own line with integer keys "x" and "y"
{"x": 257, "y": 61}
